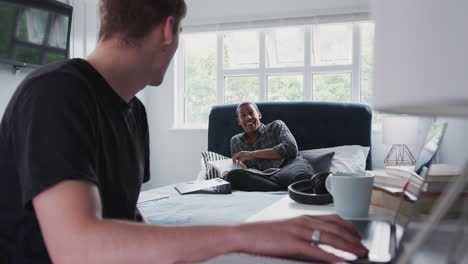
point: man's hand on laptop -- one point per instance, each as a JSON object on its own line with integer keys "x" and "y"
{"x": 295, "y": 237}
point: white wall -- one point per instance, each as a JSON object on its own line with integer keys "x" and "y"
{"x": 222, "y": 11}
{"x": 454, "y": 149}
{"x": 85, "y": 27}
{"x": 175, "y": 154}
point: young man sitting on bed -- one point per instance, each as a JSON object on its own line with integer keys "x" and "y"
{"x": 74, "y": 153}
{"x": 261, "y": 147}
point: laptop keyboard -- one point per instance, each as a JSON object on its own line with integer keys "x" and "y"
{"x": 379, "y": 245}
{"x": 338, "y": 252}
{"x": 375, "y": 237}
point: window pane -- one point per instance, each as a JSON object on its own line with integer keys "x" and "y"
{"x": 7, "y": 14}
{"x": 285, "y": 88}
{"x": 367, "y": 68}
{"x": 32, "y": 25}
{"x": 332, "y": 44}
{"x": 241, "y": 50}
{"x": 52, "y": 57}
{"x": 332, "y": 87}
{"x": 367, "y": 65}
{"x": 58, "y": 32}
{"x": 285, "y": 47}
{"x": 240, "y": 89}
{"x": 29, "y": 55}
{"x": 200, "y": 77}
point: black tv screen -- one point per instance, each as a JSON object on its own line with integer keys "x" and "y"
{"x": 34, "y": 32}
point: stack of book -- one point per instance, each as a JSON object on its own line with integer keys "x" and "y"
{"x": 396, "y": 185}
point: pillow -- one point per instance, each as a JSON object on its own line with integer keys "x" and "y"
{"x": 202, "y": 173}
{"x": 350, "y": 158}
{"x": 320, "y": 162}
{"x": 210, "y": 172}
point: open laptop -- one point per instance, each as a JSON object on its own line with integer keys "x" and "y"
{"x": 382, "y": 238}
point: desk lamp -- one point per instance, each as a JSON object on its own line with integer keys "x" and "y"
{"x": 399, "y": 131}
{"x": 421, "y": 68}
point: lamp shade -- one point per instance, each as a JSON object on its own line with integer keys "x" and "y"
{"x": 421, "y": 57}
{"x": 400, "y": 130}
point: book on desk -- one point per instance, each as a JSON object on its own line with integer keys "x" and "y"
{"x": 400, "y": 184}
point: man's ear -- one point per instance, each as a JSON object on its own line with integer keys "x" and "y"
{"x": 259, "y": 115}
{"x": 238, "y": 121}
{"x": 167, "y": 26}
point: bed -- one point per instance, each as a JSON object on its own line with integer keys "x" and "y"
{"x": 315, "y": 125}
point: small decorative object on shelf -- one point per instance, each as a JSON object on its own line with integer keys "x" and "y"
{"x": 400, "y": 131}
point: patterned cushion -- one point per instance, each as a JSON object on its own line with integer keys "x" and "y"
{"x": 210, "y": 156}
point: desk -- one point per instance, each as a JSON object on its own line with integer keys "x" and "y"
{"x": 282, "y": 209}
{"x": 287, "y": 208}
{"x": 200, "y": 208}
{"x": 219, "y": 208}
{"x": 435, "y": 251}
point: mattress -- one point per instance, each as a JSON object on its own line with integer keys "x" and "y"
{"x": 200, "y": 208}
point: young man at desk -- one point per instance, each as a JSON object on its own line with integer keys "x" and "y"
{"x": 74, "y": 153}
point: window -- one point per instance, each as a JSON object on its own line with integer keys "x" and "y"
{"x": 332, "y": 87}
{"x": 241, "y": 88}
{"x": 241, "y": 50}
{"x": 323, "y": 62}
{"x": 367, "y": 66}
{"x": 285, "y": 88}
{"x": 32, "y": 35}
{"x": 200, "y": 77}
{"x": 332, "y": 44}
{"x": 284, "y": 47}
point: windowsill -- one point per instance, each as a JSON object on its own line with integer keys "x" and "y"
{"x": 188, "y": 129}
{"x": 376, "y": 129}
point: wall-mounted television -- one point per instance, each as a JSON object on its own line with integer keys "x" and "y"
{"x": 34, "y": 32}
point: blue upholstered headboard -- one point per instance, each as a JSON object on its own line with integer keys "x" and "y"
{"x": 313, "y": 124}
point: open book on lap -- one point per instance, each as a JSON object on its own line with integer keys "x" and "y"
{"x": 226, "y": 165}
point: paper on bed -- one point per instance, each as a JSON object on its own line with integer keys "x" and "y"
{"x": 189, "y": 187}
{"x": 150, "y": 195}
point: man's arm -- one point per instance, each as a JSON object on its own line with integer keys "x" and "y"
{"x": 287, "y": 146}
{"x": 286, "y": 149}
{"x": 269, "y": 153}
{"x": 238, "y": 155}
{"x": 74, "y": 231}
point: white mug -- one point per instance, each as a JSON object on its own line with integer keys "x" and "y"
{"x": 351, "y": 193}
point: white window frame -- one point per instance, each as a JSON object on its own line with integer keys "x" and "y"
{"x": 263, "y": 72}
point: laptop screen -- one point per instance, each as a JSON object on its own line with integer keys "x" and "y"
{"x": 431, "y": 145}
{"x": 425, "y": 158}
